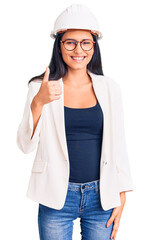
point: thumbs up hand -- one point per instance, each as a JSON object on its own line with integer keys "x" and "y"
{"x": 49, "y": 90}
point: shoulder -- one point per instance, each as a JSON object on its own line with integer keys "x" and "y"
{"x": 34, "y": 86}
{"x": 111, "y": 84}
{"x": 35, "y": 83}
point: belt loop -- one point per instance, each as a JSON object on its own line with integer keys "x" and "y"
{"x": 96, "y": 186}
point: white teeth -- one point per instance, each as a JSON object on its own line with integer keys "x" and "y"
{"x": 78, "y": 58}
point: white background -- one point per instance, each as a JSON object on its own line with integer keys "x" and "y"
{"x": 25, "y": 51}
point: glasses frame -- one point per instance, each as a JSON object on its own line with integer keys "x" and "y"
{"x": 76, "y": 42}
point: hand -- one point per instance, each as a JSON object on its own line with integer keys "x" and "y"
{"x": 116, "y": 215}
{"x": 49, "y": 90}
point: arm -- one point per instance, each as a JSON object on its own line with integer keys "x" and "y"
{"x": 28, "y": 134}
{"x": 36, "y": 108}
{"x": 122, "y": 159}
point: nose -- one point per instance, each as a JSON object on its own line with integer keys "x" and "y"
{"x": 78, "y": 48}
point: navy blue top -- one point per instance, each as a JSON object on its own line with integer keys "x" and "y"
{"x": 84, "y": 128}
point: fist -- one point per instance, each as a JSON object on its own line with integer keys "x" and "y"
{"x": 49, "y": 90}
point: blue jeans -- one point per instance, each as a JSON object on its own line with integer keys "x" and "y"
{"x": 82, "y": 201}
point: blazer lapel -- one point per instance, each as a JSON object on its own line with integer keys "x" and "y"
{"x": 101, "y": 92}
{"x": 57, "y": 107}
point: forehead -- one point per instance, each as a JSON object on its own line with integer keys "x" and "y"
{"x": 77, "y": 34}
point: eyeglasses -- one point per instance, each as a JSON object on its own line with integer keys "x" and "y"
{"x": 70, "y": 44}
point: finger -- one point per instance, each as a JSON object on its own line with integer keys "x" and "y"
{"x": 56, "y": 92}
{"x": 113, "y": 235}
{"x": 110, "y": 221}
{"x": 46, "y": 75}
{"x": 59, "y": 91}
{"x": 56, "y": 86}
{"x": 115, "y": 229}
{"x": 113, "y": 216}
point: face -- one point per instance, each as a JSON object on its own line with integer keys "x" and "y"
{"x": 67, "y": 56}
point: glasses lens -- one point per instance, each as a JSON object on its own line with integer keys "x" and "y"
{"x": 87, "y": 45}
{"x": 69, "y": 44}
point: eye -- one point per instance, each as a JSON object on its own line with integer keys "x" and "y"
{"x": 86, "y": 42}
{"x": 70, "y": 42}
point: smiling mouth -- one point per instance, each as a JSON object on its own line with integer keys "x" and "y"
{"x": 78, "y": 59}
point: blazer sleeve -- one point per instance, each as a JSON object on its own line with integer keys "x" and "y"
{"x": 25, "y": 129}
{"x": 122, "y": 158}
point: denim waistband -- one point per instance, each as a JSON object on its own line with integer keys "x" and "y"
{"x": 86, "y": 185}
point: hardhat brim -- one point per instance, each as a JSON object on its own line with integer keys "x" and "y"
{"x": 53, "y": 34}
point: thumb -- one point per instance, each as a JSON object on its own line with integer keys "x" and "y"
{"x": 46, "y": 75}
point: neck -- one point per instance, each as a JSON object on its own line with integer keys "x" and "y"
{"x": 76, "y": 77}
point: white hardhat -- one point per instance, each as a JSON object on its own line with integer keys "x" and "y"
{"x": 76, "y": 16}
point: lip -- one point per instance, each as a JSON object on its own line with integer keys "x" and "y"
{"x": 77, "y": 60}
{"x": 77, "y": 56}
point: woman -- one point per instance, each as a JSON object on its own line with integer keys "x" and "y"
{"x": 74, "y": 97}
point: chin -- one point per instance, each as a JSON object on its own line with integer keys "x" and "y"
{"x": 77, "y": 67}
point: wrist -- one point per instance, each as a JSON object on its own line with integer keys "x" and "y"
{"x": 123, "y": 196}
{"x": 37, "y": 101}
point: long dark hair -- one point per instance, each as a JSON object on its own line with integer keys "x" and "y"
{"x": 58, "y": 67}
